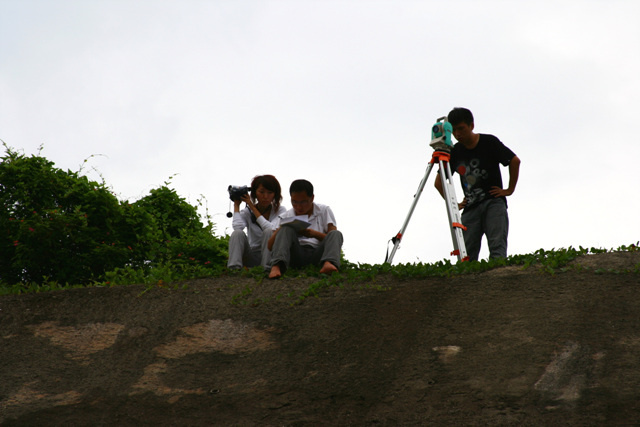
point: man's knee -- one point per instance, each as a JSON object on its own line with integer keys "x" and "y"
{"x": 336, "y": 236}
{"x": 286, "y": 234}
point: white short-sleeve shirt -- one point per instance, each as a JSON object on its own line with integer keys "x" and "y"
{"x": 320, "y": 219}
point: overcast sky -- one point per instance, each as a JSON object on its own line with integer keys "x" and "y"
{"x": 342, "y": 93}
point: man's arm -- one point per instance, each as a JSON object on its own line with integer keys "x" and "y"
{"x": 308, "y": 232}
{"x": 514, "y": 172}
{"x": 439, "y": 187}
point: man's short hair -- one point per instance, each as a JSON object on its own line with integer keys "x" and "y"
{"x": 460, "y": 115}
{"x": 301, "y": 185}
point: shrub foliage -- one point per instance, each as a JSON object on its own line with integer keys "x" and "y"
{"x": 59, "y": 226}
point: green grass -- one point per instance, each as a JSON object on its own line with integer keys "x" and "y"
{"x": 169, "y": 275}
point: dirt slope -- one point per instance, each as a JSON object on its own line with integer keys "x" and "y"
{"x": 506, "y": 347}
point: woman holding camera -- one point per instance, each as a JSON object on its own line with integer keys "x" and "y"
{"x": 261, "y": 210}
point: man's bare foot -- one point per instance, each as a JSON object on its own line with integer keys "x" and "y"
{"x": 275, "y": 272}
{"x": 328, "y": 268}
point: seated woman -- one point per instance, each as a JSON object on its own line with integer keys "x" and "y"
{"x": 261, "y": 210}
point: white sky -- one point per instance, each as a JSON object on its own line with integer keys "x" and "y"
{"x": 342, "y": 93}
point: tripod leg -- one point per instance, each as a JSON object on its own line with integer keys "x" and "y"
{"x": 455, "y": 219}
{"x": 398, "y": 237}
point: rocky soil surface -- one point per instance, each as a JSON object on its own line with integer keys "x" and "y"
{"x": 511, "y": 346}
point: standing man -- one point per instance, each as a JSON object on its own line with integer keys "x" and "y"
{"x": 320, "y": 243}
{"x": 477, "y": 158}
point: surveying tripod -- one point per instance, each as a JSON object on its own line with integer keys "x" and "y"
{"x": 441, "y": 143}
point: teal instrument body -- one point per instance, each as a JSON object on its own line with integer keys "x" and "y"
{"x": 441, "y": 133}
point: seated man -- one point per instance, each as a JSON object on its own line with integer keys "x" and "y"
{"x": 320, "y": 243}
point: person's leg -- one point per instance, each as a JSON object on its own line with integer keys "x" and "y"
{"x": 332, "y": 247}
{"x": 238, "y": 249}
{"x": 265, "y": 255}
{"x": 472, "y": 220}
{"x": 253, "y": 259}
{"x": 286, "y": 238}
{"x": 302, "y": 256}
{"x": 497, "y": 228}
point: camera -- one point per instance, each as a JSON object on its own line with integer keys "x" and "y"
{"x": 236, "y": 192}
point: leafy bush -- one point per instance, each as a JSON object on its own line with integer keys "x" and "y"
{"x": 179, "y": 234}
{"x": 58, "y": 226}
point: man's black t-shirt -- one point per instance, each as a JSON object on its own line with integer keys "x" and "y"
{"x": 479, "y": 168}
